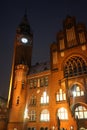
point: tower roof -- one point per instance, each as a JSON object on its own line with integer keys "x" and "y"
{"x": 24, "y": 26}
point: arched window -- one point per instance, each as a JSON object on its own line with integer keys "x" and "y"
{"x": 32, "y": 115}
{"x": 81, "y": 112}
{"x": 74, "y": 66}
{"x": 71, "y": 128}
{"x": 82, "y": 128}
{"x": 62, "y": 113}
{"x": 44, "y": 98}
{"x": 76, "y": 91}
{"x": 44, "y": 116}
{"x": 60, "y": 95}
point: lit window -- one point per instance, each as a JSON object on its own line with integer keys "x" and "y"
{"x": 62, "y": 113}
{"x": 32, "y": 115}
{"x": 76, "y": 91}
{"x": 44, "y": 115}
{"x": 60, "y": 96}
{"x": 44, "y": 98}
{"x": 38, "y": 83}
{"x": 55, "y": 58}
{"x": 82, "y": 128}
{"x": 71, "y": 128}
{"x": 81, "y": 112}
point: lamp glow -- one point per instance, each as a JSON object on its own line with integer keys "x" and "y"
{"x": 26, "y": 114}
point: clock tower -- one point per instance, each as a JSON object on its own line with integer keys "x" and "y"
{"x": 20, "y": 67}
{"x": 23, "y": 43}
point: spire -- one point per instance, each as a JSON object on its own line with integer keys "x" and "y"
{"x": 25, "y": 11}
{"x": 24, "y": 26}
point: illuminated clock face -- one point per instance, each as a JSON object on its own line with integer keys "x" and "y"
{"x": 24, "y": 40}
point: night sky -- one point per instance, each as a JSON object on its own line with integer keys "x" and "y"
{"x": 45, "y": 18}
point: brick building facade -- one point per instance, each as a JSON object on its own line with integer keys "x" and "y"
{"x": 50, "y": 95}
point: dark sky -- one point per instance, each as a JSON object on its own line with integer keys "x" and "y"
{"x": 45, "y": 18}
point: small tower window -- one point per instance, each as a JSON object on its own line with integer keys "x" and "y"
{"x": 23, "y": 84}
{"x": 18, "y": 100}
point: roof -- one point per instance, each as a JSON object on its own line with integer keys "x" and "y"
{"x": 3, "y": 102}
{"x": 39, "y": 67}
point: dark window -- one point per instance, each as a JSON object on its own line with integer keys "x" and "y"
{"x": 42, "y": 82}
{"x": 29, "y": 129}
{"x": 17, "y": 100}
{"x": 33, "y": 100}
{"x": 41, "y": 128}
